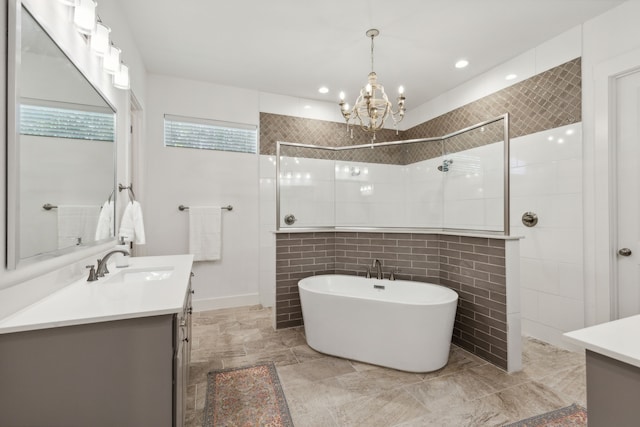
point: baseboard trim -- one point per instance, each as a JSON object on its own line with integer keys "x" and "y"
{"x": 225, "y": 302}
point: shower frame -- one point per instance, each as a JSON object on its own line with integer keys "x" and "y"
{"x": 506, "y": 182}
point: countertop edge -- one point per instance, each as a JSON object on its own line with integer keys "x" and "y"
{"x": 588, "y": 338}
{"x": 174, "y": 304}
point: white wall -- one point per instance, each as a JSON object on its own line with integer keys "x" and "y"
{"x": 546, "y": 178}
{"x": 175, "y": 176}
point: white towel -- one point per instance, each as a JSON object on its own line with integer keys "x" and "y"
{"x": 132, "y": 225}
{"x": 104, "y": 230}
{"x": 76, "y": 224}
{"x": 205, "y": 232}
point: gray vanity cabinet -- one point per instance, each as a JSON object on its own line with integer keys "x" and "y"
{"x": 130, "y": 372}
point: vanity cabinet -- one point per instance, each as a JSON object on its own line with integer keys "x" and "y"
{"x": 129, "y": 372}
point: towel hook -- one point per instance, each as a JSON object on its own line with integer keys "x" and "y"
{"x": 130, "y": 188}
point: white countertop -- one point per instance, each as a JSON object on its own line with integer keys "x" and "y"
{"x": 108, "y": 298}
{"x": 617, "y": 339}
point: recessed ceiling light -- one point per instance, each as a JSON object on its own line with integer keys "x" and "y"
{"x": 510, "y": 76}
{"x": 323, "y": 89}
{"x": 462, "y": 63}
{"x": 307, "y": 107}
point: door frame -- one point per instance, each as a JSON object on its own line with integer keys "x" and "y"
{"x": 600, "y": 283}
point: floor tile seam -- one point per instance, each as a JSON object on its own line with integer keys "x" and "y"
{"x": 565, "y": 369}
{"x": 567, "y": 399}
{"x": 404, "y": 387}
{"x": 459, "y": 371}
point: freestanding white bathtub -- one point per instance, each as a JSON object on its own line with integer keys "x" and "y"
{"x": 398, "y": 324}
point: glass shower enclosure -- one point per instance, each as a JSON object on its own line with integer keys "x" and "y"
{"x": 457, "y": 182}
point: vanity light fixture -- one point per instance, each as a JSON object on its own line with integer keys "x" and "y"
{"x": 372, "y": 107}
{"x": 121, "y": 78}
{"x": 100, "y": 39}
{"x": 84, "y": 16}
{"x": 111, "y": 60}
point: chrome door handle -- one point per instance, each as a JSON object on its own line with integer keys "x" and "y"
{"x": 624, "y": 252}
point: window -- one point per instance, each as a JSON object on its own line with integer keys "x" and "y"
{"x": 209, "y": 134}
{"x": 59, "y": 122}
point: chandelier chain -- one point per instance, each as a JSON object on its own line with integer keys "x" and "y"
{"x": 372, "y": 37}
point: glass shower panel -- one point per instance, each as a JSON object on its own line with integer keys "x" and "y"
{"x": 472, "y": 167}
{"x": 370, "y": 187}
{"x": 306, "y": 187}
{"x": 423, "y": 187}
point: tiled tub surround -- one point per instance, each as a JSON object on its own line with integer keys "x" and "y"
{"x": 474, "y": 267}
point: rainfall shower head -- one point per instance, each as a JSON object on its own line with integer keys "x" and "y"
{"x": 444, "y": 167}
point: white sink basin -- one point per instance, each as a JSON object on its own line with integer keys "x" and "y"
{"x": 141, "y": 274}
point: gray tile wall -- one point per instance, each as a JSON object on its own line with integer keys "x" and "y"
{"x": 473, "y": 267}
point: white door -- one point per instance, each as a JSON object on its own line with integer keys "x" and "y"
{"x": 627, "y": 127}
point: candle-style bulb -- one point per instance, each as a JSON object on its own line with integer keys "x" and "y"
{"x": 342, "y": 96}
{"x": 401, "y": 90}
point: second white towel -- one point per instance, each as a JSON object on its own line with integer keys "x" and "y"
{"x": 205, "y": 232}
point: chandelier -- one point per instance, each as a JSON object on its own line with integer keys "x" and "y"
{"x": 372, "y": 107}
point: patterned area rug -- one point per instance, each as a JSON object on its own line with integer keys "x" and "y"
{"x": 574, "y": 415}
{"x": 249, "y": 396}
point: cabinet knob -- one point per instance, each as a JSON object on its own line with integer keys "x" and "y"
{"x": 186, "y": 340}
{"x": 190, "y": 310}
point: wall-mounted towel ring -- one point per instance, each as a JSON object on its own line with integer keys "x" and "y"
{"x": 186, "y": 208}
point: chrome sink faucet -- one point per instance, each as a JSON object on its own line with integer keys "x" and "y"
{"x": 101, "y": 269}
{"x": 378, "y": 266}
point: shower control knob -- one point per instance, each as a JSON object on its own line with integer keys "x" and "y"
{"x": 290, "y": 219}
{"x": 624, "y": 252}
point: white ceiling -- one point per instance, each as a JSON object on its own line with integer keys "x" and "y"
{"x": 292, "y": 47}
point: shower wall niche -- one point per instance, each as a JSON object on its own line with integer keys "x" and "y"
{"x": 456, "y": 182}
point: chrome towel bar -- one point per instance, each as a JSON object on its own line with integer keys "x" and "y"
{"x": 184, "y": 208}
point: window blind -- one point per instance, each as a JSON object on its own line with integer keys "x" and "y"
{"x": 209, "y": 134}
{"x": 57, "y": 122}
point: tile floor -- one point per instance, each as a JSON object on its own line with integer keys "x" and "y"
{"x": 327, "y": 391}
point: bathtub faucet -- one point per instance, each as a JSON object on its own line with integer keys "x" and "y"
{"x": 378, "y": 266}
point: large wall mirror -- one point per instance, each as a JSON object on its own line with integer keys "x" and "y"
{"x": 61, "y": 160}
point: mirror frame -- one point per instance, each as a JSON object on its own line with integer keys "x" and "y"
{"x": 14, "y": 62}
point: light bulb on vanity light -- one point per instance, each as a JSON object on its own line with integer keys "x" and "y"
{"x": 111, "y": 60}
{"x": 84, "y": 16}
{"x": 121, "y": 78}
{"x": 100, "y": 39}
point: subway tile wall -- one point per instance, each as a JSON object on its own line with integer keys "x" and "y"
{"x": 473, "y": 267}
